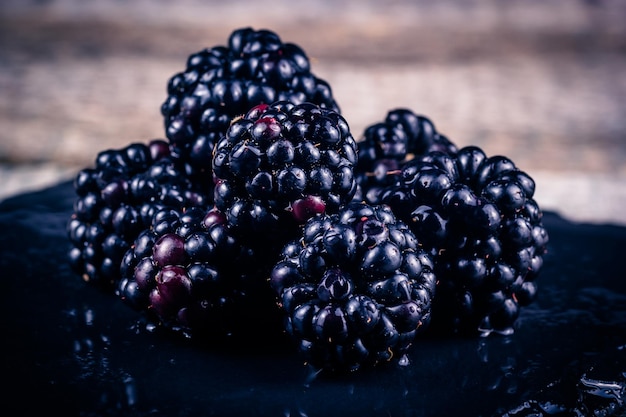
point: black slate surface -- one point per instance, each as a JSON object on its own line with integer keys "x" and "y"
{"x": 70, "y": 349}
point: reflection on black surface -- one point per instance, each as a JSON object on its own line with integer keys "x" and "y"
{"x": 576, "y": 394}
{"x": 70, "y": 348}
{"x": 111, "y": 389}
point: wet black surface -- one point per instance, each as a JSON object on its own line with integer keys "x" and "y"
{"x": 69, "y": 348}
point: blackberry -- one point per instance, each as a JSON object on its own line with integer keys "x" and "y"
{"x": 190, "y": 275}
{"x": 355, "y": 287}
{"x": 386, "y": 146}
{"x": 115, "y": 201}
{"x": 279, "y": 165}
{"x": 222, "y": 82}
{"x": 477, "y": 216}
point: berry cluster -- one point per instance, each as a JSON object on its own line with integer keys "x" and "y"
{"x": 223, "y": 82}
{"x": 261, "y": 207}
{"x": 191, "y": 274}
{"x": 477, "y": 214}
{"x": 356, "y": 287}
{"x": 116, "y": 200}
{"x": 282, "y": 163}
{"x": 386, "y": 146}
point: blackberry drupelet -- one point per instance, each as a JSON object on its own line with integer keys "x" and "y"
{"x": 279, "y": 165}
{"x": 355, "y": 288}
{"x": 386, "y": 146}
{"x": 222, "y": 82}
{"x": 190, "y": 275}
{"x": 477, "y": 216}
{"x": 115, "y": 201}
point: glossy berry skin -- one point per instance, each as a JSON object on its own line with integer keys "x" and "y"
{"x": 387, "y": 145}
{"x": 477, "y": 216}
{"x": 115, "y": 201}
{"x": 222, "y": 82}
{"x": 355, "y": 288}
{"x": 281, "y": 164}
{"x": 190, "y": 275}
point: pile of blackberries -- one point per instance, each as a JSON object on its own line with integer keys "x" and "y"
{"x": 260, "y": 211}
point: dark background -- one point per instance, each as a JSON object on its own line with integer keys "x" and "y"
{"x": 541, "y": 82}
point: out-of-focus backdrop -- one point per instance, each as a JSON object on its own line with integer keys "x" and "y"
{"x": 543, "y": 83}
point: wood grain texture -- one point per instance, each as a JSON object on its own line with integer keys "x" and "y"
{"x": 542, "y": 82}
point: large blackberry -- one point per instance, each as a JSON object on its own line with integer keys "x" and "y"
{"x": 386, "y": 146}
{"x": 281, "y": 164}
{"x": 116, "y": 200}
{"x": 190, "y": 274}
{"x": 477, "y": 215}
{"x": 223, "y": 82}
{"x": 355, "y": 287}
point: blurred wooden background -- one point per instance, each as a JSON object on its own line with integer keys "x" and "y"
{"x": 541, "y": 82}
